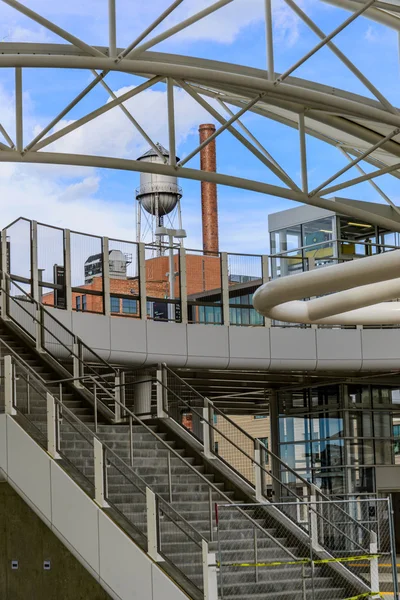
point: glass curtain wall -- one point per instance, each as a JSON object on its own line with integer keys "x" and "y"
{"x": 328, "y": 241}
{"x": 335, "y": 435}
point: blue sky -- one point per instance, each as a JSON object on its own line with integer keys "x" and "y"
{"x": 102, "y": 201}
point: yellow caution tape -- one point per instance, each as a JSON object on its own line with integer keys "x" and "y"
{"x": 366, "y": 595}
{"x": 302, "y": 561}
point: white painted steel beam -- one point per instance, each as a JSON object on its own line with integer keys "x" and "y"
{"x": 345, "y": 60}
{"x": 193, "y": 174}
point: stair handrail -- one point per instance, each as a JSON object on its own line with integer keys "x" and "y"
{"x": 310, "y": 486}
{"x": 124, "y": 468}
{"x": 41, "y": 309}
{"x": 187, "y": 464}
{"x": 209, "y": 484}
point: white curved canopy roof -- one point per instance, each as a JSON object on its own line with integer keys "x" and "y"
{"x": 365, "y": 128}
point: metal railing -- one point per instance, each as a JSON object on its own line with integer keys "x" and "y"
{"x": 97, "y": 479}
{"x": 97, "y": 467}
{"x": 106, "y": 472}
{"x": 224, "y": 439}
{"x": 47, "y": 334}
{"x": 251, "y": 567}
{"x": 136, "y": 286}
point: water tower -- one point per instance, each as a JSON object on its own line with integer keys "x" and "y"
{"x": 158, "y": 202}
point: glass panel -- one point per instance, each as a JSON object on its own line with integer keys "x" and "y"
{"x": 382, "y": 425}
{"x": 297, "y": 456}
{"x": 19, "y": 239}
{"x": 383, "y": 452}
{"x": 358, "y": 396}
{"x": 358, "y": 238}
{"x": 362, "y": 480}
{"x": 331, "y": 481}
{"x": 294, "y": 429}
{"x": 360, "y": 424}
{"x": 326, "y": 426}
{"x": 245, "y": 277}
{"x": 87, "y": 272}
{"x": 203, "y": 277}
{"x": 124, "y": 278}
{"x": 327, "y": 453}
{"x": 163, "y": 291}
{"x": 51, "y": 265}
{"x": 317, "y": 237}
{"x": 361, "y": 453}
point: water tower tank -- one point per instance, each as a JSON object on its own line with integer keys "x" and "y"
{"x": 158, "y": 194}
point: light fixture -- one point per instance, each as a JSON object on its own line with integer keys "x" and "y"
{"x": 359, "y": 224}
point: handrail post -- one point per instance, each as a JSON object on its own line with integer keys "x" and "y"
{"x": 52, "y": 426}
{"x": 374, "y": 567}
{"x": 314, "y": 519}
{"x": 106, "y": 276}
{"x": 117, "y": 392}
{"x": 9, "y": 376}
{"x": 225, "y": 288}
{"x": 265, "y": 279}
{"x": 36, "y": 290}
{"x": 152, "y": 529}
{"x": 67, "y": 269}
{"x": 99, "y": 487}
{"x": 142, "y": 280}
{"x": 274, "y": 445}
{"x": 161, "y": 392}
{"x": 76, "y": 363}
{"x": 122, "y": 390}
{"x": 207, "y": 430}
{"x": 5, "y": 271}
{"x": 258, "y": 476}
{"x": 183, "y": 282}
{"x": 210, "y": 583}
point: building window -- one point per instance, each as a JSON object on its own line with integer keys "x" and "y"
{"x": 84, "y": 304}
{"x": 129, "y": 307}
{"x": 216, "y": 448}
{"x": 78, "y": 303}
{"x": 261, "y": 417}
{"x": 215, "y": 419}
{"x": 114, "y": 304}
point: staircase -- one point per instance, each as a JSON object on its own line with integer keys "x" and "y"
{"x": 140, "y": 457}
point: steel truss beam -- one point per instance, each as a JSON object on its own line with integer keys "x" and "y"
{"x": 102, "y": 162}
{"x": 281, "y": 97}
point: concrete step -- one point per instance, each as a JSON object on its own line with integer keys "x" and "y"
{"x": 332, "y": 593}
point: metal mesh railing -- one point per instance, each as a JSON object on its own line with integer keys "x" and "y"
{"x": 180, "y": 544}
{"x": 322, "y": 567}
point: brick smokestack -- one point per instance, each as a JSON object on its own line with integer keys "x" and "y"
{"x": 209, "y": 202}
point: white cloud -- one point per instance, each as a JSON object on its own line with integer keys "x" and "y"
{"x": 371, "y": 35}
{"x": 235, "y": 17}
{"x": 24, "y": 34}
{"x": 88, "y": 20}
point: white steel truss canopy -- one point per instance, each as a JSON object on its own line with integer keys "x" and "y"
{"x": 365, "y": 129}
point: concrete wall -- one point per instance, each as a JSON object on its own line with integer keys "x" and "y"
{"x": 122, "y": 569}
{"x": 25, "y": 538}
{"x": 141, "y": 343}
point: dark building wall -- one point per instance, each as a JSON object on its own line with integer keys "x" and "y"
{"x": 24, "y": 537}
